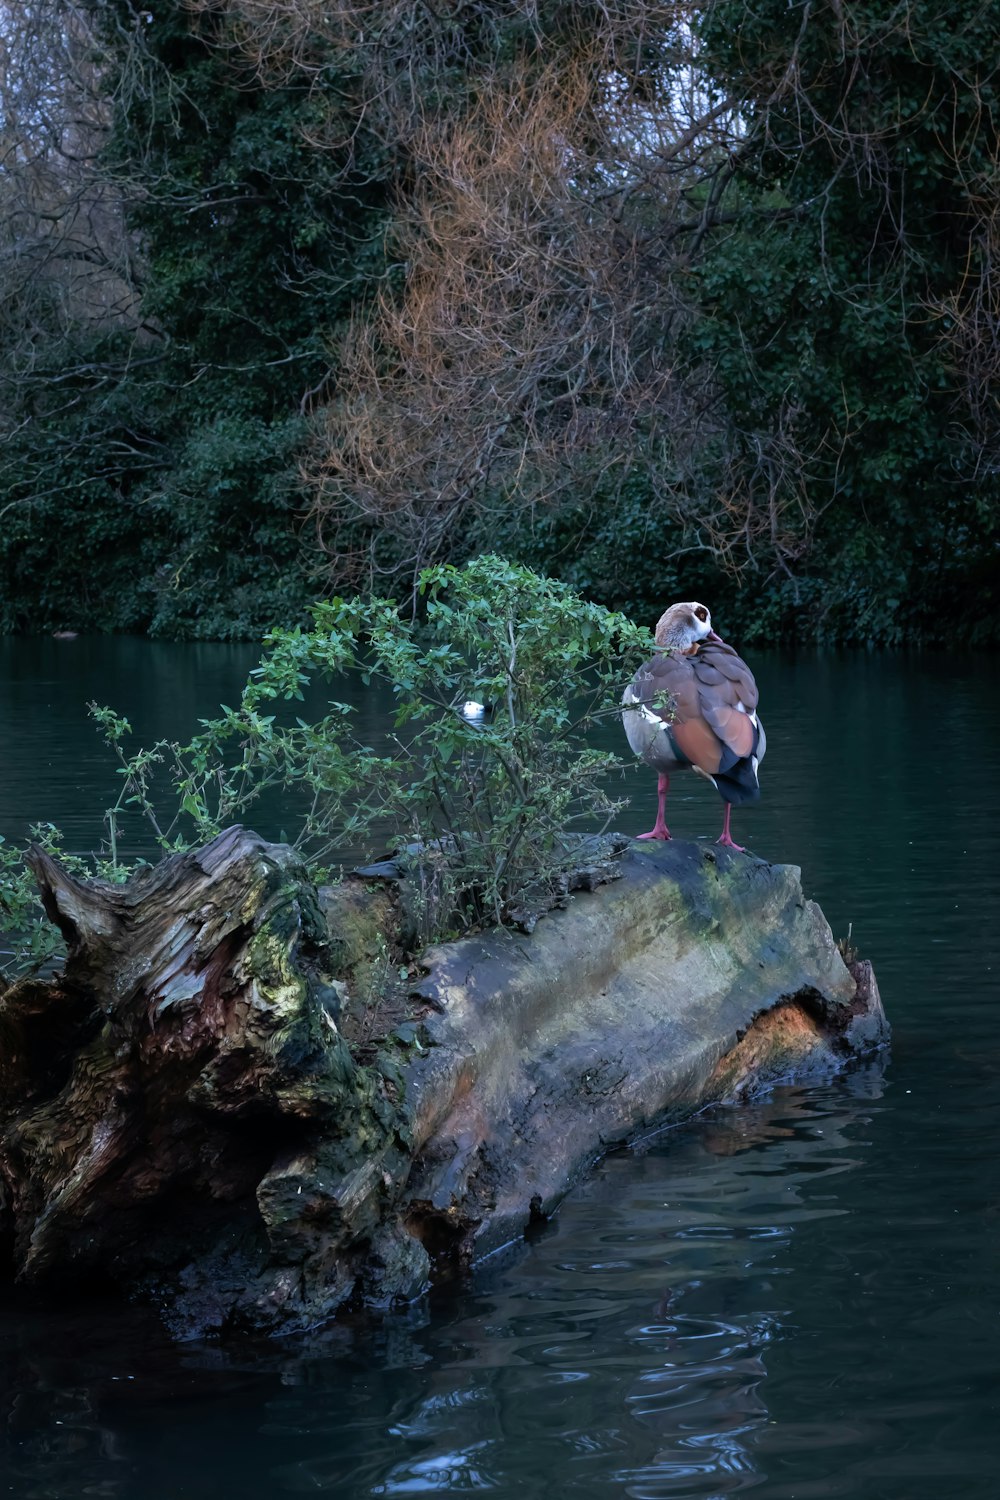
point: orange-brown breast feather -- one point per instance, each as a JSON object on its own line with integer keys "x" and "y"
{"x": 698, "y": 742}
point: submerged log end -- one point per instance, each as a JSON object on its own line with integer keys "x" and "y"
{"x": 802, "y": 1037}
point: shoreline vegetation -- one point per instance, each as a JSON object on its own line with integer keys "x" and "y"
{"x": 664, "y": 300}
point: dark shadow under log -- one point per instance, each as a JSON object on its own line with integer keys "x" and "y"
{"x": 182, "y": 1116}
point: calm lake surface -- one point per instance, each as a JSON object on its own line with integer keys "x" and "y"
{"x": 796, "y": 1298}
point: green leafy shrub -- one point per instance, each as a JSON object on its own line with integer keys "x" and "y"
{"x": 480, "y": 807}
{"x": 485, "y": 811}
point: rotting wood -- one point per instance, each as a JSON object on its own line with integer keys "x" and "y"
{"x": 181, "y": 1112}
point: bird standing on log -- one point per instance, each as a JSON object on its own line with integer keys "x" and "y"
{"x": 694, "y": 705}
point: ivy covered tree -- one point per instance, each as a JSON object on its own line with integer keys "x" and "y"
{"x": 152, "y": 472}
{"x": 843, "y": 308}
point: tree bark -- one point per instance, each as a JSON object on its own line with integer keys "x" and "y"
{"x": 187, "y": 1050}
{"x": 182, "y": 1114}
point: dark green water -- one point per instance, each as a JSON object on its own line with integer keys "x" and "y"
{"x": 796, "y": 1298}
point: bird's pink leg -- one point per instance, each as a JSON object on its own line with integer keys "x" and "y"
{"x": 659, "y": 829}
{"x": 725, "y": 838}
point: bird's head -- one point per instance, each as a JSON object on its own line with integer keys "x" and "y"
{"x": 683, "y": 628}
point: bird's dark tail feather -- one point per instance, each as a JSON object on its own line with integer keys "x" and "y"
{"x": 738, "y": 784}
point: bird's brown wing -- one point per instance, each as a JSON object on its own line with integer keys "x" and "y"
{"x": 699, "y": 710}
{"x": 727, "y": 698}
{"x": 667, "y": 686}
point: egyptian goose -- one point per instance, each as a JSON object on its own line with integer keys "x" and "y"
{"x": 694, "y": 704}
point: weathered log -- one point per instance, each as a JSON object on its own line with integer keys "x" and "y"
{"x": 209, "y": 1060}
{"x": 191, "y": 1110}
{"x": 700, "y": 975}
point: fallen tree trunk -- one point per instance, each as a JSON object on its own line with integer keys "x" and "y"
{"x": 237, "y": 1099}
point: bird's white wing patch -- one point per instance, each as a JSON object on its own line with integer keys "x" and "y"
{"x": 629, "y": 700}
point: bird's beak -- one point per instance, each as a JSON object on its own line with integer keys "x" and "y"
{"x": 715, "y": 639}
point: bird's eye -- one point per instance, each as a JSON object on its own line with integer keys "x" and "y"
{"x": 701, "y": 612}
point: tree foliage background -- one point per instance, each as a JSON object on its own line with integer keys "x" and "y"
{"x": 669, "y": 299}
